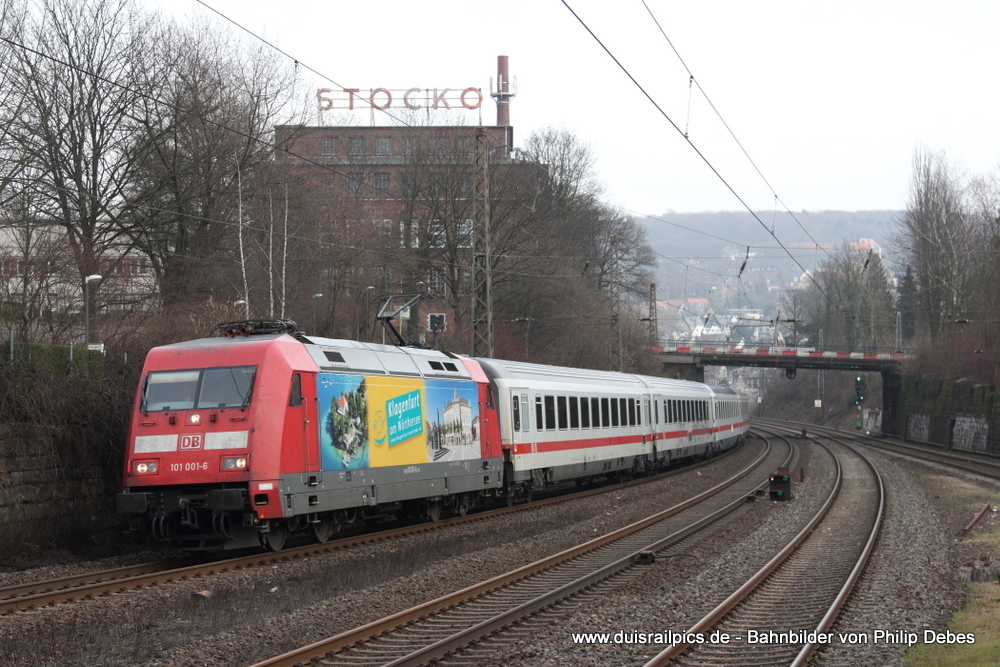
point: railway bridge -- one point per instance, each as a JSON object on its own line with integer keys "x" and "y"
{"x": 686, "y": 360}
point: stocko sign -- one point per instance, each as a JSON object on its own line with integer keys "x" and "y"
{"x": 412, "y": 98}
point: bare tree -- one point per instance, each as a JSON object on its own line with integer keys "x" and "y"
{"x": 936, "y": 241}
{"x": 210, "y": 128}
{"x": 79, "y": 73}
{"x": 12, "y": 102}
{"x": 851, "y": 298}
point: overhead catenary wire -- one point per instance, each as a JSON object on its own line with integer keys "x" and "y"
{"x": 691, "y": 144}
{"x": 725, "y": 124}
{"x": 298, "y": 62}
{"x": 246, "y": 135}
{"x": 417, "y": 129}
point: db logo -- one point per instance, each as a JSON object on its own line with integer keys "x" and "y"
{"x": 189, "y": 442}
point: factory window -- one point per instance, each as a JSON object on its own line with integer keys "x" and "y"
{"x": 355, "y": 184}
{"x": 409, "y": 185}
{"x": 574, "y": 412}
{"x": 585, "y": 412}
{"x": 436, "y": 281}
{"x": 561, "y": 405}
{"x": 409, "y": 234}
{"x": 329, "y": 145}
{"x": 382, "y": 184}
{"x": 463, "y": 145}
{"x": 329, "y": 180}
{"x": 437, "y": 234}
{"x": 465, "y": 185}
{"x": 383, "y": 145}
{"x": 465, "y": 233}
{"x": 411, "y": 145}
{"x": 137, "y": 267}
{"x": 356, "y": 146}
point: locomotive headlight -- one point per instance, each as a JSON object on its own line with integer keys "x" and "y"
{"x": 234, "y": 463}
{"x": 194, "y": 418}
{"x": 144, "y": 468}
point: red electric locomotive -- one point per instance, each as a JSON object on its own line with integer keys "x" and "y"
{"x": 238, "y": 440}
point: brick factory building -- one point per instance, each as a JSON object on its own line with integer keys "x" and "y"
{"x": 407, "y": 188}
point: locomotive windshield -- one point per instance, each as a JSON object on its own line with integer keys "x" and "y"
{"x": 199, "y": 389}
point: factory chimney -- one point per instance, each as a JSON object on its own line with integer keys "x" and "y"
{"x": 503, "y": 92}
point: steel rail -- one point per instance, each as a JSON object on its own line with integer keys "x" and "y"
{"x": 666, "y": 656}
{"x": 831, "y": 615}
{"x": 511, "y": 614}
{"x": 983, "y": 467}
{"x": 33, "y": 595}
{"x": 755, "y": 583}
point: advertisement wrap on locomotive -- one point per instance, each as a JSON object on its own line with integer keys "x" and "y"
{"x": 375, "y": 421}
{"x": 242, "y": 439}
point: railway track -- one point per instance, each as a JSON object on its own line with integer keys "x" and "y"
{"x": 779, "y": 615}
{"x": 966, "y": 462}
{"x": 445, "y": 631}
{"x": 37, "y": 594}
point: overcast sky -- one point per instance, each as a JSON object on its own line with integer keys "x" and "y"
{"x": 830, "y": 100}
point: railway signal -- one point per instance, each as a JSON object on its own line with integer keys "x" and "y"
{"x": 781, "y": 485}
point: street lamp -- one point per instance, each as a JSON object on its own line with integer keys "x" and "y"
{"x": 314, "y": 297}
{"x": 86, "y": 307}
{"x": 368, "y": 297}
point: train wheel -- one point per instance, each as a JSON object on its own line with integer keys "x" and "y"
{"x": 323, "y": 530}
{"x": 433, "y": 510}
{"x": 274, "y": 539}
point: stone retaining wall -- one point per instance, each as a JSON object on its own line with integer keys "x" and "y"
{"x": 50, "y": 497}
{"x": 956, "y": 414}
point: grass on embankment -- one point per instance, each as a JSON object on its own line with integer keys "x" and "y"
{"x": 981, "y": 615}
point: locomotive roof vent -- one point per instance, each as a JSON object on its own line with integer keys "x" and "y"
{"x": 334, "y": 357}
{"x": 258, "y": 328}
{"x": 446, "y": 366}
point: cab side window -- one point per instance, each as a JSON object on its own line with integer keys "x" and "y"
{"x": 296, "y": 397}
